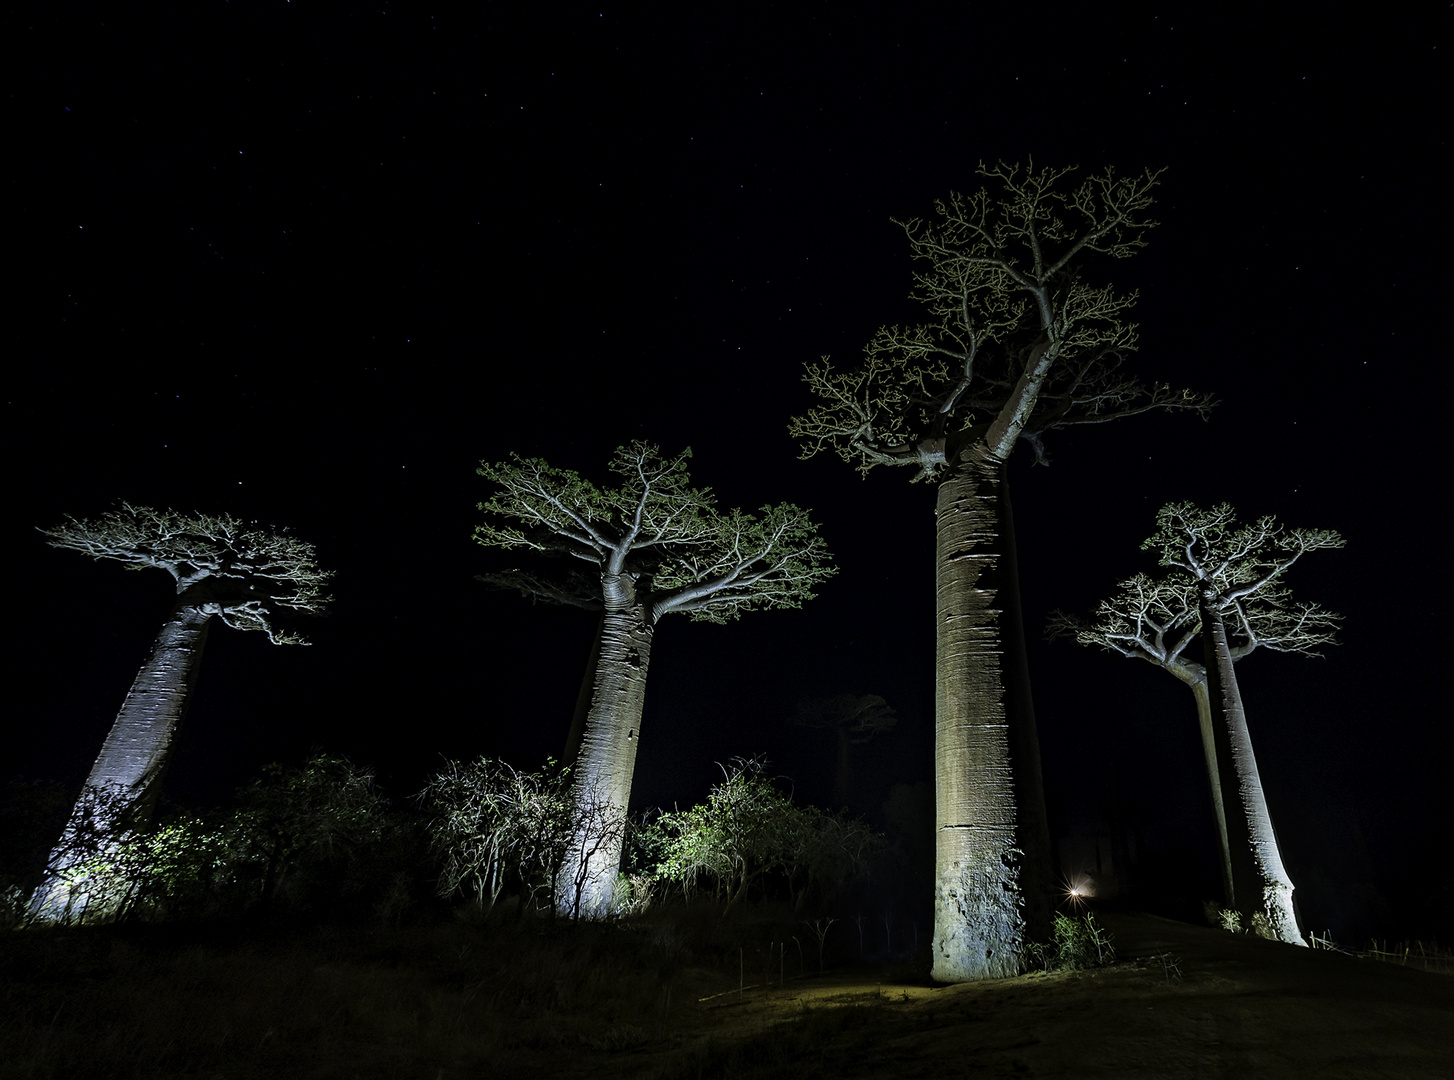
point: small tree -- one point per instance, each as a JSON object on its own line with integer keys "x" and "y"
{"x": 1223, "y": 593}
{"x": 652, "y": 546}
{"x": 854, "y": 720}
{"x": 824, "y": 851}
{"x": 733, "y": 838}
{"x": 1017, "y": 343}
{"x": 747, "y": 830}
{"x": 491, "y": 823}
{"x": 314, "y": 821}
{"x": 224, "y": 569}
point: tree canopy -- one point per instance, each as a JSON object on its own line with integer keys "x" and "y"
{"x": 668, "y": 536}
{"x": 1016, "y": 342}
{"x": 1237, "y": 561}
{"x": 858, "y": 717}
{"x": 253, "y": 574}
{"x": 1156, "y": 618}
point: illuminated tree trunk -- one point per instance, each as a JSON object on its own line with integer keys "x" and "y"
{"x": 121, "y": 792}
{"x": 606, "y": 756}
{"x": 1260, "y": 885}
{"x": 583, "y": 699}
{"x": 991, "y": 837}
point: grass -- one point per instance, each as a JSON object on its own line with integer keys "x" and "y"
{"x": 1426, "y": 956}
{"x": 789, "y": 1050}
{"x": 457, "y": 995}
{"x": 449, "y": 999}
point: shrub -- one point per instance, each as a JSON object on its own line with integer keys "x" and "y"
{"x": 1075, "y": 944}
{"x": 492, "y": 825}
{"x": 747, "y": 830}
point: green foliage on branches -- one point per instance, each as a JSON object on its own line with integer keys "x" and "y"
{"x": 305, "y": 835}
{"x": 146, "y": 871}
{"x": 1157, "y": 617}
{"x": 1234, "y": 560}
{"x": 251, "y": 574}
{"x": 492, "y": 825}
{"x": 1016, "y": 341}
{"x": 1076, "y": 944}
{"x": 667, "y": 536}
{"x": 748, "y": 830}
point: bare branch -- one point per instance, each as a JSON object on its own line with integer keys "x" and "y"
{"x": 1154, "y": 619}
{"x": 679, "y": 551}
{"x": 244, "y": 574}
{"x": 860, "y": 717}
{"x": 1238, "y": 562}
{"x": 1015, "y": 343}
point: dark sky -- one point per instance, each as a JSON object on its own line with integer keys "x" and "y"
{"x": 310, "y": 264}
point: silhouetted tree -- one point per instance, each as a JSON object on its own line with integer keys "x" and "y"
{"x": 1223, "y": 592}
{"x": 223, "y": 569}
{"x": 302, "y": 831}
{"x": 854, "y": 720}
{"x": 1017, "y": 344}
{"x": 654, "y": 545}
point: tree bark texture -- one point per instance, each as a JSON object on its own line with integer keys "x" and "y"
{"x": 583, "y": 700}
{"x": 992, "y": 865}
{"x": 1219, "y": 812}
{"x": 606, "y": 758}
{"x": 1260, "y": 884}
{"x": 121, "y": 792}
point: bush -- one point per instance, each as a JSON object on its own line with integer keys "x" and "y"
{"x": 1075, "y": 944}
{"x": 306, "y": 837}
{"x": 493, "y": 825}
{"x": 747, "y": 830}
{"x": 310, "y": 835}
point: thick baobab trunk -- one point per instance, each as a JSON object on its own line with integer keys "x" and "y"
{"x": 992, "y": 866}
{"x": 606, "y": 758}
{"x": 121, "y": 791}
{"x": 583, "y": 699}
{"x": 1260, "y": 883}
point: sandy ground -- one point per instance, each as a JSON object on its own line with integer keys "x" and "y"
{"x": 1242, "y": 1008}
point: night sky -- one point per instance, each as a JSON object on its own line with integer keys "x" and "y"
{"x": 310, "y": 264}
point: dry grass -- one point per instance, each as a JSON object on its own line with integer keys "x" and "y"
{"x": 454, "y": 999}
{"x": 1425, "y": 956}
{"x": 657, "y": 997}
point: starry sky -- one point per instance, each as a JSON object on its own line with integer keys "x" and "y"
{"x": 310, "y": 264}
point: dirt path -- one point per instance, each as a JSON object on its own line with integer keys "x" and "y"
{"x": 1242, "y": 1008}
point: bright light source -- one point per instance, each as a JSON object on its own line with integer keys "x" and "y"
{"x": 1077, "y": 889}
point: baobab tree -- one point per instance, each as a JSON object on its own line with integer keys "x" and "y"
{"x": 1224, "y": 594}
{"x": 651, "y": 546}
{"x": 1157, "y": 619}
{"x": 1017, "y": 343}
{"x": 854, "y": 719}
{"x": 224, "y": 569}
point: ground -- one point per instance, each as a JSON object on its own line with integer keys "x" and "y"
{"x": 1242, "y": 1007}
{"x": 505, "y": 999}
